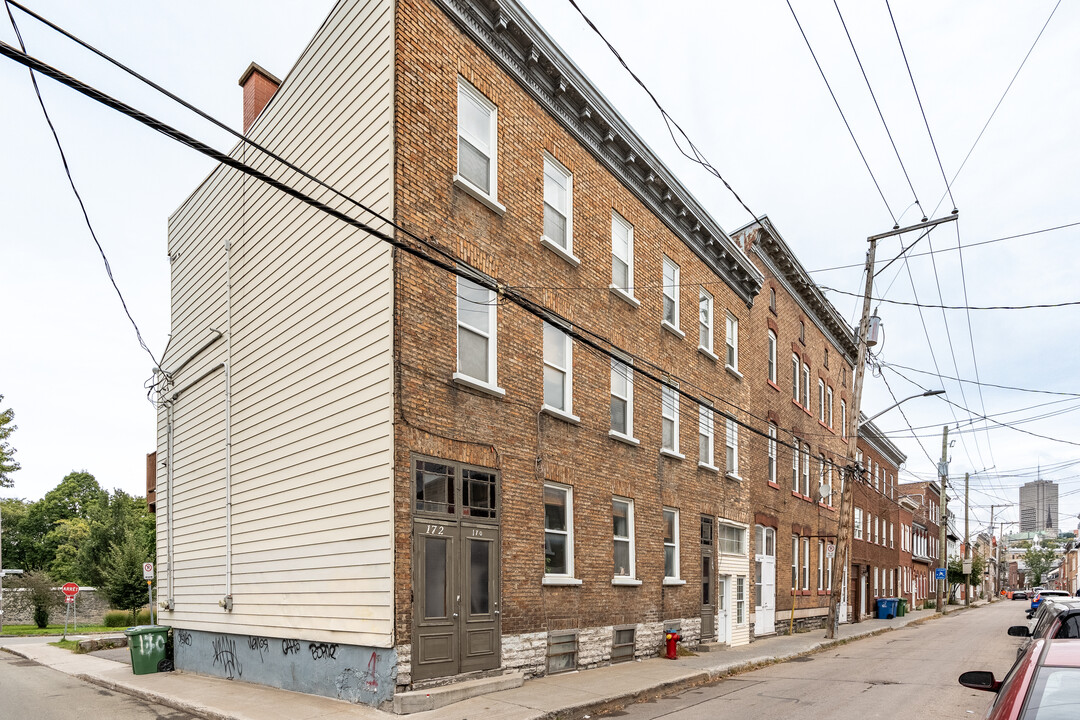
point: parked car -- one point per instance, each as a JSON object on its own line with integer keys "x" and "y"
{"x": 1018, "y": 594}
{"x": 1056, "y": 618}
{"x": 1043, "y": 594}
{"x": 1043, "y": 684}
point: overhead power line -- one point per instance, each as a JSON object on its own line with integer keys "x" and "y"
{"x": 1039, "y": 306}
{"x": 973, "y": 382}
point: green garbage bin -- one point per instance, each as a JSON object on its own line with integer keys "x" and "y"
{"x": 147, "y": 646}
{"x": 903, "y": 607}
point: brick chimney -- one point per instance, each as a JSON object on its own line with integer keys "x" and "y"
{"x": 259, "y": 86}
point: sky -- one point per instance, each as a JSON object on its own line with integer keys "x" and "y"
{"x": 738, "y": 78}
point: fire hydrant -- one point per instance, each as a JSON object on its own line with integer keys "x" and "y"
{"x": 672, "y": 637}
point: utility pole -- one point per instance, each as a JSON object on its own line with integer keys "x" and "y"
{"x": 943, "y": 471}
{"x": 847, "y": 510}
{"x": 967, "y": 544}
{"x": 997, "y": 550}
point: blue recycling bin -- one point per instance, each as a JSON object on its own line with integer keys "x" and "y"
{"x": 887, "y": 608}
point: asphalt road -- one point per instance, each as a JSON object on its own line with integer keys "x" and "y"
{"x": 909, "y": 673}
{"x": 29, "y": 690}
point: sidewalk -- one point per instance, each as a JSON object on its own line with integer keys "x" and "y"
{"x": 569, "y": 694}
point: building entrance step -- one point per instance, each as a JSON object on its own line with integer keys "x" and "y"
{"x": 436, "y": 697}
{"x": 711, "y": 647}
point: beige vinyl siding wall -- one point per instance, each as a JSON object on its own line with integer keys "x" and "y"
{"x": 735, "y": 566}
{"x": 311, "y": 358}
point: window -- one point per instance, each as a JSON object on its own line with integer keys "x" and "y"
{"x": 671, "y": 293}
{"x": 622, "y": 514}
{"x": 558, "y": 206}
{"x": 622, "y": 256}
{"x": 705, "y": 435}
{"x": 843, "y": 418}
{"x": 827, "y": 495}
{"x": 772, "y": 454}
{"x": 558, "y": 530}
{"x": 806, "y": 471}
{"x": 795, "y": 364}
{"x": 671, "y": 543}
{"x": 732, "y": 540}
{"x": 772, "y": 357}
{"x": 476, "y": 351}
{"x": 558, "y": 370}
{"x": 806, "y": 386}
{"x": 622, "y": 398}
{"x": 802, "y": 332}
{"x": 819, "y": 491}
{"x": 732, "y": 446}
{"x": 562, "y": 652}
{"x": 669, "y": 411}
{"x": 821, "y": 565}
{"x": 821, "y": 400}
{"x": 805, "y": 563}
{"x": 828, "y": 573}
{"x": 795, "y": 465}
{"x": 622, "y": 644}
{"x": 705, "y": 320}
{"x": 772, "y": 299}
{"x": 876, "y": 593}
{"x": 892, "y": 540}
{"x": 740, "y": 600}
{"x": 826, "y": 358}
{"x": 828, "y": 405}
{"x": 794, "y": 562}
{"x": 477, "y": 140}
{"x": 858, "y": 524}
{"x": 732, "y": 358}
{"x": 877, "y": 532}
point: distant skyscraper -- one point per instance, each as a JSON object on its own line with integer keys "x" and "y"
{"x": 1039, "y": 506}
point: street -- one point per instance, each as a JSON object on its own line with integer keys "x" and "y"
{"x": 30, "y": 690}
{"x": 910, "y": 673}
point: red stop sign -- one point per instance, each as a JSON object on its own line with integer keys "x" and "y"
{"x": 70, "y": 589}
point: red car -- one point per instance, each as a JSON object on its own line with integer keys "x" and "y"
{"x": 1044, "y": 684}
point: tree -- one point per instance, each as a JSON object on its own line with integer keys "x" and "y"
{"x": 13, "y": 542}
{"x": 7, "y": 453}
{"x": 124, "y": 585}
{"x": 67, "y": 536}
{"x": 109, "y": 519}
{"x": 956, "y": 571}
{"x": 71, "y": 499}
{"x": 1038, "y": 561}
{"x": 33, "y": 592}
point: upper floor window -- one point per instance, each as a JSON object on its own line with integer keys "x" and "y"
{"x": 806, "y": 470}
{"x": 671, "y": 543}
{"x": 772, "y": 299}
{"x": 826, "y": 358}
{"x": 558, "y": 370}
{"x": 671, "y": 293}
{"x": 705, "y": 320}
{"x": 732, "y": 358}
{"x": 802, "y": 332}
{"x": 828, "y": 406}
{"x": 732, "y": 447}
{"x": 705, "y": 435}
{"x": 622, "y": 398}
{"x": 821, "y": 400}
{"x": 858, "y": 524}
{"x": 476, "y": 351}
{"x": 795, "y": 365}
{"x": 772, "y": 454}
{"x": 795, "y": 465}
{"x": 622, "y": 255}
{"x": 806, "y": 385}
{"x": 732, "y": 539}
{"x": 622, "y": 515}
{"x": 772, "y": 357}
{"x": 558, "y": 205}
{"x": 843, "y": 417}
{"x": 477, "y": 139}
{"x": 669, "y": 410}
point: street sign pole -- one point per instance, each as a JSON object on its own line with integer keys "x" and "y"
{"x": 148, "y": 576}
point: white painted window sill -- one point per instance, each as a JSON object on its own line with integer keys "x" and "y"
{"x": 560, "y": 250}
{"x": 616, "y": 435}
{"x": 733, "y": 476}
{"x": 673, "y": 454}
{"x": 560, "y": 580}
{"x": 710, "y": 468}
{"x": 487, "y": 200}
{"x": 627, "y": 581}
{"x": 480, "y": 385}
{"x": 674, "y": 581}
{"x": 733, "y": 372}
{"x": 623, "y": 295}
{"x": 561, "y": 415}
{"x": 708, "y": 353}
{"x": 672, "y": 329}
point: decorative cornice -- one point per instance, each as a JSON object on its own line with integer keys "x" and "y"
{"x": 872, "y": 435}
{"x": 510, "y": 35}
{"x": 768, "y": 245}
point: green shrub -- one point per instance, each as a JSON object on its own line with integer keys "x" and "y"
{"x": 144, "y": 617}
{"x": 41, "y": 616}
{"x": 117, "y": 618}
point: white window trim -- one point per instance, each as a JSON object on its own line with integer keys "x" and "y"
{"x": 488, "y": 199}
{"x": 671, "y": 293}
{"x": 677, "y": 577}
{"x": 626, "y": 293}
{"x": 821, "y": 400}
{"x": 795, "y": 465}
{"x": 806, "y": 385}
{"x": 772, "y": 357}
{"x": 731, "y": 339}
{"x": 794, "y": 564}
{"x": 630, "y": 579}
{"x": 843, "y": 418}
{"x": 806, "y": 471}
{"x": 829, "y": 402}
{"x": 566, "y": 253}
{"x": 741, "y": 616}
{"x": 706, "y": 296}
{"x": 772, "y": 466}
{"x": 490, "y": 386}
{"x": 628, "y": 436}
{"x": 707, "y": 428}
{"x": 796, "y": 370}
{"x": 805, "y": 563}
{"x": 731, "y": 440}
{"x": 673, "y": 394}
{"x": 566, "y": 578}
{"x": 567, "y": 411}
{"x": 857, "y": 524}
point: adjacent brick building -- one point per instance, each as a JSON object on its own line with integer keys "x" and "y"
{"x": 875, "y": 556}
{"x": 925, "y": 538}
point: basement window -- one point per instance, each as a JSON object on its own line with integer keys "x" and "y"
{"x": 622, "y": 644}
{"x": 562, "y": 652}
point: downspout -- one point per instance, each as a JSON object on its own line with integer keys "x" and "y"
{"x": 227, "y": 601}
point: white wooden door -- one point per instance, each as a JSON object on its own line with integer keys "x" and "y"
{"x": 765, "y": 581}
{"x": 723, "y": 611}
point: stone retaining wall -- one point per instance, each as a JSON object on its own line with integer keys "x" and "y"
{"x": 90, "y": 607}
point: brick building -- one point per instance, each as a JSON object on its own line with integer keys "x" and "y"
{"x": 906, "y": 508}
{"x": 516, "y": 441}
{"x": 925, "y": 537}
{"x": 875, "y": 557}
{"x": 798, "y": 376}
